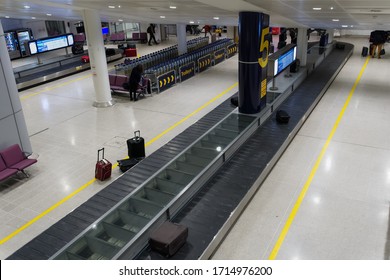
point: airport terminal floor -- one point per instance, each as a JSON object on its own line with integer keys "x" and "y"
{"x": 326, "y": 198}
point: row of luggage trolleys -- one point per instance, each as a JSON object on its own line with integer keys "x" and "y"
{"x": 185, "y": 66}
{"x": 123, "y": 231}
{"x": 158, "y": 57}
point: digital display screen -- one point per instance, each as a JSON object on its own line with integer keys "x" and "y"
{"x": 33, "y": 47}
{"x": 285, "y": 60}
{"x": 105, "y": 30}
{"x": 51, "y": 43}
{"x": 70, "y": 40}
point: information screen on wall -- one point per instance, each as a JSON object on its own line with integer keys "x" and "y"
{"x": 51, "y": 43}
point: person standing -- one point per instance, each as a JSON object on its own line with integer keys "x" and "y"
{"x": 135, "y": 81}
{"x": 207, "y": 29}
{"x": 151, "y": 31}
{"x": 378, "y": 39}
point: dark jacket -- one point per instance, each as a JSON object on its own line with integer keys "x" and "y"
{"x": 135, "y": 79}
{"x": 378, "y": 37}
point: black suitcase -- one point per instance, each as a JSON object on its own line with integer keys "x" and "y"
{"x": 383, "y": 52}
{"x": 364, "y": 51}
{"x": 136, "y": 146}
{"x": 282, "y": 116}
{"x": 126, "y": 164}
{"x": 168, "y": 238}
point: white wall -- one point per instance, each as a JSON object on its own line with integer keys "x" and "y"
{"x": 38, "y": 28}
{"x": 352, "y": 32}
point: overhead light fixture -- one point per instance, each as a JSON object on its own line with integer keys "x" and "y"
{"x": 33, "y": 17}
{"x": 162, "y": 16}
{"x": 172, "y": 7}
{"x": 6, "y": 16}
{"x": 351, "y": 25}
{"x": 216, "y": 18}
{"x": 192, "y": 22}
{"x": 119, "y": 6}
{"x": 317, "y": 9}
{"x": 27, "y": 7}
{"x": 120, "y": 19}
{"x": 335, "y": 19}
{"x": 344, "y": 26}
{"x": 331, "y": 8}
{"x": 49, "y": 15}
{"x": 111, "y": 7}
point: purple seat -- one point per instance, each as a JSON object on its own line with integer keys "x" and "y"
{"x": 14, "y": 158}
{"x": 112, "y": 79}
{"x": 4, "y": 171}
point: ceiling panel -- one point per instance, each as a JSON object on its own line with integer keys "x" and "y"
{"x": 289, "y": 13}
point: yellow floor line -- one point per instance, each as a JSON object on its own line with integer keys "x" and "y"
{"x": 47, "y": 211}
{"x": 307, "y": 184}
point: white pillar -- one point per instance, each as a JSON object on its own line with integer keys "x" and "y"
{"x": 97, "y": 57}
{"x": 181, "y": 38}
{"x": 302, "y": 46}
{"x": 331, "y": 35}
{"x": 13, "y": 129}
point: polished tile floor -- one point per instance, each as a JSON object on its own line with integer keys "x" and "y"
{"x": 344, "y": 215}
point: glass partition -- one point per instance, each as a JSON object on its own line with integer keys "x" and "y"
{"x": 130, "y": 218}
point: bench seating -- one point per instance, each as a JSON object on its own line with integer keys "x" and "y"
{"x": 117, "y": 81}
{"x": 14, "y": 160}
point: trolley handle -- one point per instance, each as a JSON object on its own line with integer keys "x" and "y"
{"x": 100, "y": 150}
{"x": 137, "y": 134}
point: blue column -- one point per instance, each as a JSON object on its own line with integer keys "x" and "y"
{"x": 253, "y": 60}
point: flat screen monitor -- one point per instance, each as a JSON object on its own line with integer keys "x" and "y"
{"x": 283, "y": 61}
{"x": 32, "y": 45}
{"x": 105, "y": 30}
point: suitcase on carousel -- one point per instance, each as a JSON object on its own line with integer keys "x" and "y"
{"x": 131, "y": 52}
{"x": 103, "y": 167}
{"x": 282, "y": 116}
{"x": 136, "y": 146}
{"x": 85, "y": 58}
{"x": 126, "y": 164}
{"x": 168, "y": 238}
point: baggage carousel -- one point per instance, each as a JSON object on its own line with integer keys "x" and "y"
{"x": 38, "y": 73}
{"x": 203, "y": 178}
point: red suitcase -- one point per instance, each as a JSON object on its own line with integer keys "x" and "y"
{"x": 103, "y": 167}
{"x": 131, "y": 52}
{"x": 85, "y": 58}
{"x": 168, "y": 238}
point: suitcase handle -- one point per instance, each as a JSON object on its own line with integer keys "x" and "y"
{"x": 100, "y": 150}
{"x": 137, "y": 132}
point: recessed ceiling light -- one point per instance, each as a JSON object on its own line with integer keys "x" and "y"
{"x": 27, "y": 7}
{"x": 162, "y": 16}
{"x": 119, "y": 6}
{"x": 120, "y": 19}
{"x": 172, "y": 7}
{"x": 215, "y": 17}
{"x": 344, "y": 26}
{"x": 33, "y": 17}
{"x": 317, "y": 9}
{"x": 192, "y": 22}
{"x": 111, "y": 7}
{"x": 331, "y": 8}
{"x": 351, "y": 25}
{"x": 335, "y": 19}
{"x": 49, "y": 15}
{"x": 6, "y": 16}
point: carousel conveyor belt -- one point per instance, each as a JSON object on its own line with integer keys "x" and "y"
{"x": 210, "y": 208}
